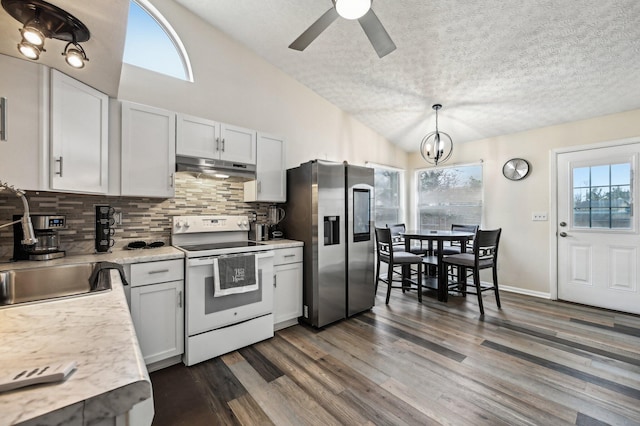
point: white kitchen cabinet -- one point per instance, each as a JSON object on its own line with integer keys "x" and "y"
{"x": 148, "y": 156}
{"x": 157, "y": 310}
{"x": 287, "y": 283}
{"x": 24, "y": 124}
{"x": 202, "y": 138}
{"x": 79, "y": 136}
{"x": 270, "y": 184}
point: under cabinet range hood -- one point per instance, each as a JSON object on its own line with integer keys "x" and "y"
{"x": 215, "y": 168}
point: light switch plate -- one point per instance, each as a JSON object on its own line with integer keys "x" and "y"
{"x": 539, "y": 216}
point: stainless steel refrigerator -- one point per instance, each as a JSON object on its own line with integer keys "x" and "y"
{"x": 330, "y": 208}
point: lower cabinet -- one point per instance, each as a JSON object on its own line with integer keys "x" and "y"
{"x": 157, "y": 310}
{"x": 287, "y": 283}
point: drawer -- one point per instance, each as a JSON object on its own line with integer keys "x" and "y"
{"x": 287, "y": 255}
{"x": 157, "y": 272}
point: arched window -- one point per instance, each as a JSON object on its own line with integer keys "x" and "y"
{"x": 153, "y": 44}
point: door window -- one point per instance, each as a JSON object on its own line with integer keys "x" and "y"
{"x": 602, "y": 196}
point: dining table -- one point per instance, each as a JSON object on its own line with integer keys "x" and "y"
{"x": 439, "y": 237}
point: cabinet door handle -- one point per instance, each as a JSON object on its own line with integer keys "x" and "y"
{"x": 180, "y": 299}
{"x": 217, "y": 144}
{"x": 223, "y": 144}
{"x": 259, "y": 187}
{"x": 159, "y": 271}
{"x": 275, "y": 281}
{"x": 4, "y": 129}
{"x": 289, "y": 255}
{"x": 60, "y": 170}
{"x": 172, "y": 180}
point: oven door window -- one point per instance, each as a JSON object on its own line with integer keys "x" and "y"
{"x": 222, "y": 303}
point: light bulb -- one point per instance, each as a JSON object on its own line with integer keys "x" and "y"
{"x": 33, "y": 35}
{"x": 352, "y": 9}
{"x": 74, "y": 58}
{"x": 29, "y": 50}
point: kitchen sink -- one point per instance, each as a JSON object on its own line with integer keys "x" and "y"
{"x": 41, "y": 284}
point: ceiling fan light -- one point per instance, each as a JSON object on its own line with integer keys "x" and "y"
{"x": 29, "y": 50}
{"x": 33, "y": 35}
{"x": 352, "y": 9}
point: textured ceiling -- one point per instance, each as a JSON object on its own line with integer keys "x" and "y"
{"x": 497, "y": 67}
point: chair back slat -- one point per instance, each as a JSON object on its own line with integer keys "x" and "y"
{"x": 384, "y": 241}
{"x": 485, "y": 245}
{"x": 463, "y": 228}
{"x": 395, "y": 232}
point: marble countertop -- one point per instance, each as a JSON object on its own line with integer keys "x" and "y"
{"x": 94, "y": 330}
{"x": 121, "y": 256}
{"x": 280, "y": 244}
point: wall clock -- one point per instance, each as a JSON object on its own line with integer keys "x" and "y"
{"x": 516, "y": 169}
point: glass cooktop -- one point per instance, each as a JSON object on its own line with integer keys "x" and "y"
{"x": 217, "y": 246}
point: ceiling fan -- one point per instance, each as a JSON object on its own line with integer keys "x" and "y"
{"x": 349, "y": 9}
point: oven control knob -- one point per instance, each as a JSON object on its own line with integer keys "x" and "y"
{"x": 178, "y": 224}
{"x": 186, "y": 225}
{"x": 245, "y": 223}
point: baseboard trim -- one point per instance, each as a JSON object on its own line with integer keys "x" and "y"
{"x": 526, "y": 292}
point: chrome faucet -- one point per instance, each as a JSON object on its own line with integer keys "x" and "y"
{"x": 27, "y": 228}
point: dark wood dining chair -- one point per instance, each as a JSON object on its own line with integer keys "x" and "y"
{"x": 454, "y": 247}
{"x": 483, "y": 256}
{"x": 393, "y": 258}
{"x": 398, "y": 240}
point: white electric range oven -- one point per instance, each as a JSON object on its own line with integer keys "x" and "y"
{"x": 228, "y": 285}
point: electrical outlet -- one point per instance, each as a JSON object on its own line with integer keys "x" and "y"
{"x": 539, "y": 216}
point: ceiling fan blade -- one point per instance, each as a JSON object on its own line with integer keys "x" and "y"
{"x": 378, "y": 36}
{"x": 314, "y": 30}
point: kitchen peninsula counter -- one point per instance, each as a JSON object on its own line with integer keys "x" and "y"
{"x": 121, "y": 256}
{"x": 96, "y": 332}
{"x": 283, "y": 243}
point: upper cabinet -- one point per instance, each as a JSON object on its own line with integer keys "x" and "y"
{"x": 24, "y": 124}
{"x": 79, "y": 136}
{"x": 202, "y": 138}
{"x": 270, "y": 184}
{"x": 148, "y": 151}
{"x": 54, "y": 130}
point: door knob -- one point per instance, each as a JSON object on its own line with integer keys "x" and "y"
{"x": 563, "y": 223}
{"x": 563, "y": 234}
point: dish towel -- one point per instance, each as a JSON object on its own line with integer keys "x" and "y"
{"x": 235, "y": 274}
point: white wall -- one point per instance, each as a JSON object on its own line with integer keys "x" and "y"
{"x": 236, "y": 86}
{"x": 525, "y": 246}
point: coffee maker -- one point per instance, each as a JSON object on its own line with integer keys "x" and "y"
{"x": 275, "y": 215}
{"x": 45, "y": 228}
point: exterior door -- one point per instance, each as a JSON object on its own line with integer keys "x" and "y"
{"x": 598, "y": 236}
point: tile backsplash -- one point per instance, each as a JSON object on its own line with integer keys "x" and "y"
{"x": 147, "y": 219}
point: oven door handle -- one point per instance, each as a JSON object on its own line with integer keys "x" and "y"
{"x": 199, "y": 261}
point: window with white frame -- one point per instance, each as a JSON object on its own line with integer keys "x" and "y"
{"x": 153, "y": 44}
{"x": 448, "y": 195}
{"x": 389, "y": 195}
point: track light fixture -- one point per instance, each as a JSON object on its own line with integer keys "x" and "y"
{"x": 436, "y": 147}
{"x": 42, "y": 20}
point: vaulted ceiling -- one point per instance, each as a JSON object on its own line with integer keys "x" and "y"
{"x": 498, "y": 67}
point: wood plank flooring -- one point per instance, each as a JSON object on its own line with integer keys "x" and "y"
{"x": 535, "y": 362}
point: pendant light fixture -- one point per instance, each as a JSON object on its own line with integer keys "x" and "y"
{"x": 436, "y": 147}
{"x": 42, "y": 20}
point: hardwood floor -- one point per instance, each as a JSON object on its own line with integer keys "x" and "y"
{"x": 535, "y": 362}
